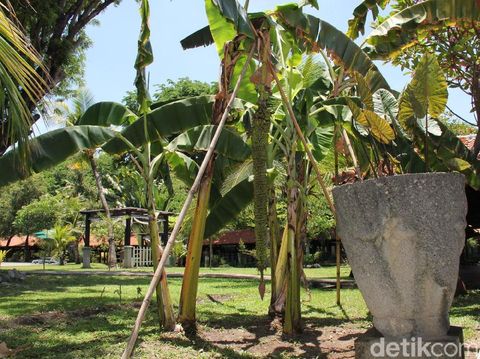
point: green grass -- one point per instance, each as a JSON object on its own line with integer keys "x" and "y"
{"x": 326, "y": 272}
{"x": 82, "y": 316}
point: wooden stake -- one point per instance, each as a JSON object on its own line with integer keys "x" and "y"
{"x": 352, "y": 153}
{"x": 171, "y": 240}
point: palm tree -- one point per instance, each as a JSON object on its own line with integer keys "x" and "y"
{"x": 3, "y": 255}
{"x": 82, "y": 100}
{"x": 20, "y": 68}
{"x": 62, "y": 237}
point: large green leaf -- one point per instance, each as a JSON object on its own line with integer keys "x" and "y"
{"x": 406, "y": 27}
{"x": 322, "y": 141}
{"x": 316, "y": 34}
{"x": 106, "y": 114}
{"x": 308, "y": 31}
{"x": 356, "y": 24}
{"x": 447, "y": 153}
{"x": 364, "y": 91}
{"x": 165, "y": 121}
{"x": 227, "y": 18}
{"x": 198, "y": 139}
{"x": 183, "y": 166}
{"x": 144, "y": 57}
{"x": 385, "y": 104}
{"x": 52, "y": 148}
{"x": 227, "y": 208}
{"x": 426, "y": 94}
{"x": 379, "y": 127}
{"x": 202, "y": 37}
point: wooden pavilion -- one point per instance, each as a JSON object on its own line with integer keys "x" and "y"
{"x": 131, "y": 214}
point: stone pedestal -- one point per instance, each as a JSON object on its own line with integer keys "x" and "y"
{"x": 127, "y": 256}
{"x": 372, "y": 345}
{"x": 403, "y": 236}
{"x": 86, "y": 257}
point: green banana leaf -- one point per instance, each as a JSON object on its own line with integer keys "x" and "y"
{"x": 197, "y": 139}
{"x": 183, "y": 166}
{"x": 52, "y": 148}
{"x": 106, "y": 114}
{"x": 226, "y": 209}
{"x": 165, "y": 121}
{"x": 356, "y": 24}
{"x": 406, "y": 27}
{"x": 318, "y": 34}
{"x": 226, "y": 18}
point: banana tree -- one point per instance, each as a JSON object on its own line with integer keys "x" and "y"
{"x": 314, "y": 35}
{"x": 231, "y": 55}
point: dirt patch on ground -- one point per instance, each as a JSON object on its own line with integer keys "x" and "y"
{"x": 264, "y": 341}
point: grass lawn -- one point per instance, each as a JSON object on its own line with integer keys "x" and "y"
{"x": 87, "y": 317}
{"x": 326, "y": 272}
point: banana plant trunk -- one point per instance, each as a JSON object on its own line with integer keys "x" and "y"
{"x": 188, "y": 296}
{"x": 275, "y": 242}
{"x": 112, "y": 252}
{"x": 292, "y": 315}
{"x": 164, "y": 301}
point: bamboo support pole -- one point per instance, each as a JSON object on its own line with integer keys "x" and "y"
{"x": 171, "y": 240}
{"x": 293, "y": 118}
{"x": 352, "y": 153}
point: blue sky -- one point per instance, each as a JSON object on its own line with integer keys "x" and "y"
{"x": 109, "y": 67}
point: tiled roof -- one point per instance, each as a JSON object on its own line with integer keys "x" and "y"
{"x": 233, "y": 237}
{"x": 19, "y": 241}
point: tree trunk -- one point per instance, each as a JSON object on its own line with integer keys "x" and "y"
{"x": 77, "y": 252}
{"x": 27, "y": 249}
{"x": 164, "y": 301}
{"x": 9, "y": 240}
{"x": 112, "y": 252}
{"x": 475, "y": 90}
{"x": 188, "y": 296}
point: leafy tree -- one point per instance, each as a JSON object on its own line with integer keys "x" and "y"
{"x": 38, "y": 215}
{"x": 13, "y": 198}
{"x": 457, "y": 126}
{"x": 173, "y": 90}
{"x": 56, "y": 31}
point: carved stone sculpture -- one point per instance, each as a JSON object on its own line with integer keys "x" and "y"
{"x": 403, "y": 236}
